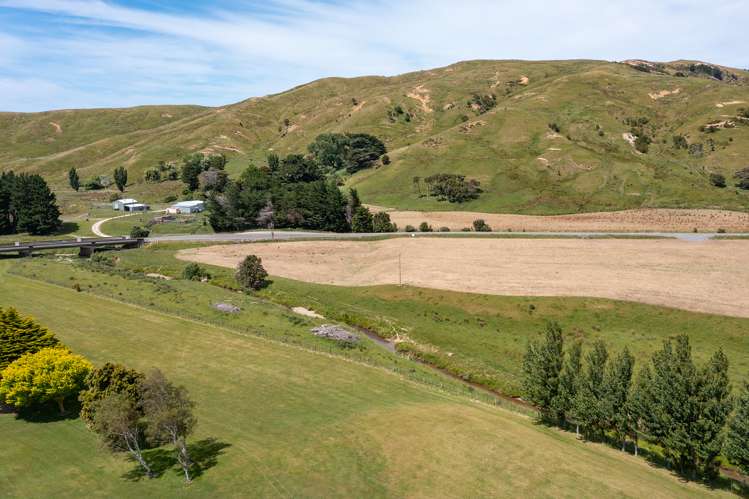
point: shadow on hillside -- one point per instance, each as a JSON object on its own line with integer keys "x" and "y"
{"x": 204, "y": 455}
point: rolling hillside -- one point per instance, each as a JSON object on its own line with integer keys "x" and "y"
{"x": 523, "y": 164}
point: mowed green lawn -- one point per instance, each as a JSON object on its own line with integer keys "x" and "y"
{"x": 288, "y": 422}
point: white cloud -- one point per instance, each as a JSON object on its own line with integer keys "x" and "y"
{"x": 227, "y": 55}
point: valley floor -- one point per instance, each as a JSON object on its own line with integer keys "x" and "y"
{"x": 706, "y": 276}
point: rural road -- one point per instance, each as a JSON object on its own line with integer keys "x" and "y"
{"x": 96, "y": 228}
{"x": 294, "y": 235}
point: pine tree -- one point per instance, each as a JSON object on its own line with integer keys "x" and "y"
{"x": 362, "y": 221}
{"x": 589, "y": 399}
{"x": 21, "y": 335}
{"x": 120, "y": 178}
{"x": 74, "y": 180}
{"x": 617, "y": 383}
{"x": 737, "y": 439}
{"x": 542, "y": 366}
{"x": 568, "y": 379}
{"x": 7, "y": 217}
{"x": 35, "y": 205}
{"x": 715, "y": 407}
{"x": 639, "y": 404}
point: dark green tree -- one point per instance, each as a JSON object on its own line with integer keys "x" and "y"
{"x": 273, "y": 162}
{"x": 687, "y": 407}
{"x": 20, "y": 335}
{"x": 34, "y": 205}
{"x": 589, "y": 400}
{"x": 617, "y": 384}
{"x": 640, "y": 404}
{"x": 542, "y": 365}
{"x": 381, "y": 223}
{"x": 715, "y": 405}
{"x": 250, "y": 273}
{"x": 74, "y": 180}
{"x": 737, "y": 438}
{"x": 105, "y": 380}
{"x": 192, "y": 167}
{"x": 7, "y": 213}
{"x": 120, "y": 178}
{"x": 362, "y": 220}
{"x": 568, "y": 379}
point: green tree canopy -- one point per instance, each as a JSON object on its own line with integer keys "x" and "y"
{"x": 737, "y": 439}
{"x": 73, "y": 179}
{"x": 250, "y": 273}
{"x": 20, "y": 335}
{"x": 542, "y": 366}
{"x": 107, "y": 379}
{"x": 120, "y": 178}
{"x": 33, "y": 205}
{"x": 51, "y": 374}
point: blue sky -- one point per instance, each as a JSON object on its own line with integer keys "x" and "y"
{"x": 57, "y": 54}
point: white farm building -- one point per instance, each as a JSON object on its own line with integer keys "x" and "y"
{"x": 184, "y": 207}
{"x": 121, "y": 203}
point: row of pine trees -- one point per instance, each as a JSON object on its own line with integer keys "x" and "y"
{"x": 685, "y": 409}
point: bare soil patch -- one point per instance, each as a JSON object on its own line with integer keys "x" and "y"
{"x": 707, "y": 276}
{"x": 643, "y": 220}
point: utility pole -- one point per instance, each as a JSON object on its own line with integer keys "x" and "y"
{"x": 400, "y": 271}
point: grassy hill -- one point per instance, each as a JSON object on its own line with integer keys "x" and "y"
{"x": 523, "y": 165}
{"x": 276, "y": 420}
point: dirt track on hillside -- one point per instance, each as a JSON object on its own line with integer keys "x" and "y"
{"x": 708, "y": 276}
{"x": 645, "y": 220}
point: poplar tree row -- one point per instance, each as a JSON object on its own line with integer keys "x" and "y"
{"x": 672, "y": 402}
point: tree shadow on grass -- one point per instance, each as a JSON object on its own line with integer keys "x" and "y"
{"x": 49, "y": 412}
{"x": 204, "y": 455}
{"x": 728, "y": 481}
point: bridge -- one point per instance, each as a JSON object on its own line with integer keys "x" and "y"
{"x": 86, "y": 246}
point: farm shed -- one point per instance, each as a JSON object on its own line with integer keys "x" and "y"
{"x": 121, "y": 203}
{"x": 187, "y": 207}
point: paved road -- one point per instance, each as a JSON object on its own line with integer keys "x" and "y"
{"x": 294, "y": 235}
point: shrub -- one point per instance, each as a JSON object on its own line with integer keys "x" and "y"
{"x": 743, "y": 178}
{"x": 465, "y": 229}
{"x": 425, "y": 227}
{"x": 410, "y": 228}
{"x": 194, "y": 272}
{"x": 482, "y": 103}
{"x": 152, "y": 175}
{"x": 680, "y": 142}
{"x": 718, "y": 180}
{"x": 94, "y": 184}
{"x": 444, "y": 229}
{"x": 385, "y": 159}
{"x": 453, "y": 188}
{"x": 642, "y": 143}
{"x": 170, "y": 198}
{"x": 250, "y": 274}
{"x": 721, "y": 231}
{"x": 554, "y": 128}
{"x": 114, "y": 197}
{"x": 480, "y": 225}
{"x": 381, "y": 223}
{"x": 138, "y": 232}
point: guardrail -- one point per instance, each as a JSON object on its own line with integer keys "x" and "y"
{"x": 87, "y": 246}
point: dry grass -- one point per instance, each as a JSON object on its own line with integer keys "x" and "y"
{"x": 707, "y": 276}
{"x": 644, "y": 220}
